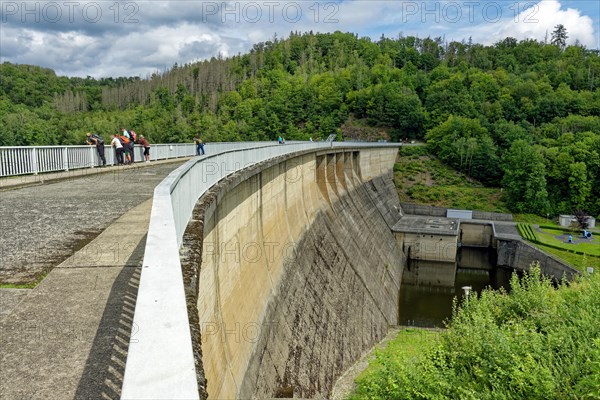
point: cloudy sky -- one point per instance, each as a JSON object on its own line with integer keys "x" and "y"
{"x": 136, "y": 38}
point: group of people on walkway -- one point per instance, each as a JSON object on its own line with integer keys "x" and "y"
{"x": 124, "y": 144}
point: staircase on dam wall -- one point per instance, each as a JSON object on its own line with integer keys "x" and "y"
{"x": 293, "y": 272}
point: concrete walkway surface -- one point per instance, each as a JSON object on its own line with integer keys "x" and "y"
{"x": 68, "y": 337}
{"x": 43, "y": 225}
{"x": 10, "y": 299}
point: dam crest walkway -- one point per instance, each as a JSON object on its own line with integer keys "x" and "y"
{"x": 68, "y": 337}
{"x": 82, "y": 236}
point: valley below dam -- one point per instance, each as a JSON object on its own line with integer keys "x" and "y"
{"x": 293, "y": 271}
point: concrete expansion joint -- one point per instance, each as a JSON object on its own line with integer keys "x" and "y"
{"x": 96, "y": 266}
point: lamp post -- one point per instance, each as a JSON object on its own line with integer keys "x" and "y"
{"x": 467, "y": 290}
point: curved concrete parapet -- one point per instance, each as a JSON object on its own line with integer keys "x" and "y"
{"x": 300, "y": 272}
{"x": 160, "y": 363}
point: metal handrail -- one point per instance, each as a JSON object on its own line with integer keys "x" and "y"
{"x": 25, "y": 160}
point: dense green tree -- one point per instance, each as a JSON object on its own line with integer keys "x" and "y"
{"x": 444, "y": 139}
{"x": 559, "y": 36}
{"x": 579, "y": 186}
{"x": 505, "y": 133}
{"x": 524, "y": 179}
{"x": 391, "y": 105}
{"x": 474, "y": 101}
{"x": 449, "y": 97}
{"x": 485, "y": 162}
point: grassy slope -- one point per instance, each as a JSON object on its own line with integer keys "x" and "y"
{"x": 422, "y": 178}
{"x": 589, "y": 250}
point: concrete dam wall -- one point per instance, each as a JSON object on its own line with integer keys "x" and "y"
{"x": 299, "y": 274}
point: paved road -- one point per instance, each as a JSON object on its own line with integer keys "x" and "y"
{"x": 42, "y": 225}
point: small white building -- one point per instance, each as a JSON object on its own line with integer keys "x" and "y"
{"x": 568, "y": 220}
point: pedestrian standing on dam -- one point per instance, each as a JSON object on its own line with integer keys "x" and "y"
{"x": 144, "y": 142}
{"x": 124, "y": 140}
{"x": 199, "y": 145}
{"x": 96, "y": 140}
{"x": 129, "y": 146}
{"x": 116, "y": 142}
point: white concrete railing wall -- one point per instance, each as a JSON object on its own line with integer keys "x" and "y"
{"x": 23, "y": 160}
{"x": 160, "y": 362}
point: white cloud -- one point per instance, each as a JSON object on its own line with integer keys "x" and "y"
{"x": 183, "y": 31}
{"x": 535, "y": 23}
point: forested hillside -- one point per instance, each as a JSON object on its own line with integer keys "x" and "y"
{"x": 521, "y": 114}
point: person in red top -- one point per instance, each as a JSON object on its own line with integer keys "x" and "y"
{"x": 144, "y": 142}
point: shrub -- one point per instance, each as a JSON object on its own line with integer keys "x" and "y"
{"x": 537, "y": 342}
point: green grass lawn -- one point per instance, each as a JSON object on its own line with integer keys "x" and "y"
{"x": 557, "y": 231}
{"x": 576, "y": 260}
{"x": 589, "y": 247}
{"x": 568, "y": 252}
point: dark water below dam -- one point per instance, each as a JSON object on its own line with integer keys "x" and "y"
{"x": 429, "y": 287}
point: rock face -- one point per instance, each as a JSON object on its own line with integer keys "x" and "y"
{"x": 300, "y": 272}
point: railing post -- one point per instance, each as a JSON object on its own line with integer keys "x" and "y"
{"x": 92, "y": 161}
{"x": 65, "y": 159}
{"x": 34, "y": 163}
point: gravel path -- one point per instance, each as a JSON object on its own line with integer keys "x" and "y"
{"x": 40, "y": 226}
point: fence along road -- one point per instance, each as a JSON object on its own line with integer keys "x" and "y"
{"x": 73, "y": 209}
{"x": 23, "y": 160}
